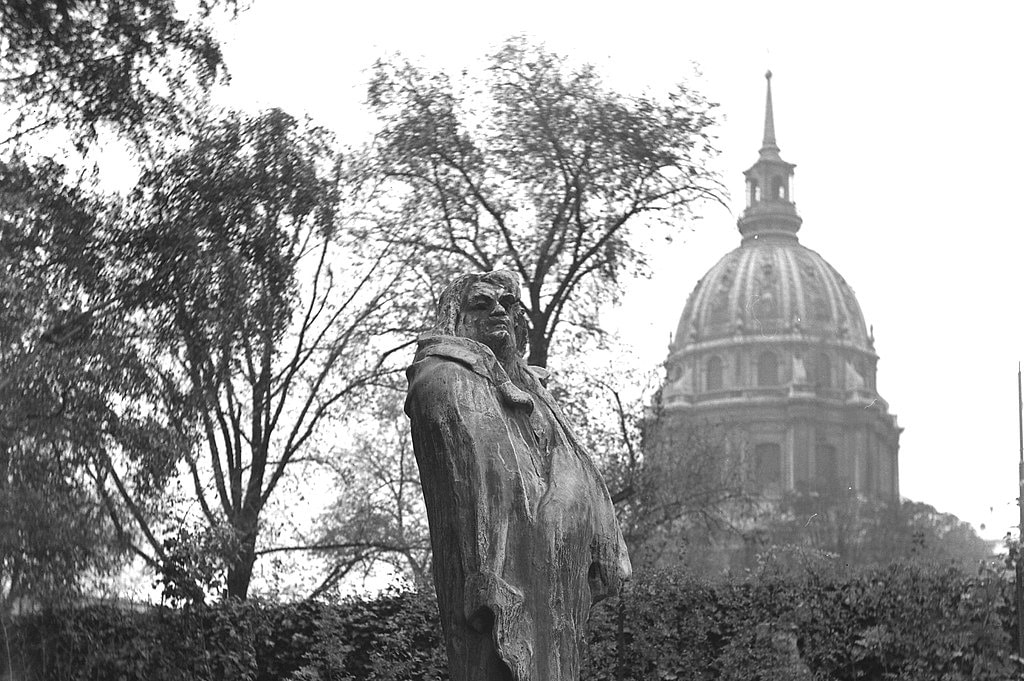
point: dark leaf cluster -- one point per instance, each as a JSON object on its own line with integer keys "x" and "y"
{"x": 800, "y": 619}
{"x": 73, "y": 390}
{"x": 132, "y": 64}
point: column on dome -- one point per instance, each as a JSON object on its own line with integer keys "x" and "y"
{"x": 789, "y": 468}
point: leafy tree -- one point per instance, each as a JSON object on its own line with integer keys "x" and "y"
{"x": 549, "y": 173}
{"x": 831, "y": 518}
{"x": 863, "y": 531}
{"x": 84, "y": 422}
{"x": 80, "y": 64}
{"x": 940, "y": 536}
{"x": 379, "y": 519}
{"x": 539, "y": 168}
{"x": 71, "y": 386}
{"x": 269, "y": 321}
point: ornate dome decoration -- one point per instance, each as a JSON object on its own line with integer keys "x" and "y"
{"x": 773, "y": 287}
{"x": 773, "y": 344}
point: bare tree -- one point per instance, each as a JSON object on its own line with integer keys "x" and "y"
{"x": 379, "y": 519}
{"x": 676, "y": 485}
{"x": 692, "y": 493}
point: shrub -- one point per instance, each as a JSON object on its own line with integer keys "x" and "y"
{"x": 796, "y": 618}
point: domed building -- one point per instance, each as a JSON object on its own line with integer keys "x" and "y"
{"x": 773, "y": 346}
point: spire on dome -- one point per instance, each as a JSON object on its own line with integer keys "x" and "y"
{"x": 770, "y": 210}
{"x": 769, "y": 149}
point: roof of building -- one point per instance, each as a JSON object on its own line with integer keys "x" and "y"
{"x": 770, "y": 287}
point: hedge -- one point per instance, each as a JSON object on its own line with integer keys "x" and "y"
{"x": 904, "y": 621}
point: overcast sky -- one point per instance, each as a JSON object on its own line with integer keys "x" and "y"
{"x": 905, "y": 122}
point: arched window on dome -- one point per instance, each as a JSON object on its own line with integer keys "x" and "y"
{"x": 753, "y": 192}
{"x": 823, "y": 371}
{"x": 713, "y": 375}
{"x": 768, "y": 369}
{"x": 779, "y": 188}
{"x": 767, "y": 463}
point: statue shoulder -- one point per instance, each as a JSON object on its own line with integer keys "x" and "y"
{"x": 436, "y": 370}
{"x": 472, "y": 354}
{"x": 437, "y": 380}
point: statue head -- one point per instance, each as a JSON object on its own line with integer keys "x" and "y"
{"x": 485, "y": 308}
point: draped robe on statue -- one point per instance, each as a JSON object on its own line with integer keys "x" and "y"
{"x": 522, "y": 527}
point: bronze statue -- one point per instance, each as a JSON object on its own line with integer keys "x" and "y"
{"x": 522, "y": 528}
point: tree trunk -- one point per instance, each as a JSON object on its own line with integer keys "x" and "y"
{"x": 538, "y": 356}
{"x": 240, "y": 565}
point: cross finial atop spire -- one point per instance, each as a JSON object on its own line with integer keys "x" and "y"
{"x": 769, "y": 147}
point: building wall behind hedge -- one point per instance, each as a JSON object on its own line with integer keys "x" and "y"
{"x": 901, "y": 622}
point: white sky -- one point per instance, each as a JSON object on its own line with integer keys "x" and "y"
{"x": 904, "y": 119}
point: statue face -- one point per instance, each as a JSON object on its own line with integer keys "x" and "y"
{"x": 487, "y": 317}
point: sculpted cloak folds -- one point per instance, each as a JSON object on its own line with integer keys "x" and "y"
{"x": 522, "y": 527}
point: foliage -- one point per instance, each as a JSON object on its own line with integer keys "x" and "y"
{"x": 691, "y": 494}
{"x": 84, "y": 451}
{"x": 83, "y": 63}
{"x": 72, "y": 390}
{"x": 939, "y": 536}
{"x": 797, "y": 616}
{"x": 192, "y": 563}
{"x": 863, "y": 531}
{"x": 905, "y": 621}
{"x": 675, "y": 489}
{"x": 380, "y": 519}
{"x": 539, "y": 168}
{"x": 394, "y": 638}
{"x": 107, "y": 642}
{"x": 267, "y": 317}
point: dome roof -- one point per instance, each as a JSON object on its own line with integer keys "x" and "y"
{"x": 772, "y": 285}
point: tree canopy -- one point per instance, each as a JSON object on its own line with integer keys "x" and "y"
{"x": 132, "y": 64}
{"x": 863, "y": 531}
{"x": 73, "y": 390}
{"x": 539, "y": 168}
{"x": 267, "y": 316}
